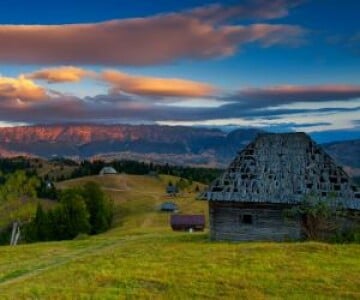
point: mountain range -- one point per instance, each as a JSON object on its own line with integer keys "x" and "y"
{"x": 161, "y": 144}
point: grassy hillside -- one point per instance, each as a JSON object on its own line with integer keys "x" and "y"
{"x": 142, "y": 258}
{"x": 137, "y": 199}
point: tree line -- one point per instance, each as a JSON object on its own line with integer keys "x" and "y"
{"x": 87, "y": 168}
{"x": 81, "y": 210}
{"x": 204, "y": 175}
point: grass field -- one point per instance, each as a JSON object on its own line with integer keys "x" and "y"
{"x": 142, "y": 258}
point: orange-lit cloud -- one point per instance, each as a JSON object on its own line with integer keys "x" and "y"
{"x": 60, "y": 74}
{"x": 197, "y": 34}
{"x": 153, "y": 86}
{"x": 21, "y": 89}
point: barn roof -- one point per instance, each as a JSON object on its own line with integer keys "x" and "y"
{"x": 284, "y": 168}
{"x": 108, "y": 170}
{"x": 168, "y": 205}
{"x": 187, "y": 220}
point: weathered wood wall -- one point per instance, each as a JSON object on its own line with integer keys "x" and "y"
{"x": 226, "y": 222}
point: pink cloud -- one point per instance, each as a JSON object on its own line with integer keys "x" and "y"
{"x": 197, "y": 34}
{"x": 154, "y": 86}
{"x": 255, "y": 9}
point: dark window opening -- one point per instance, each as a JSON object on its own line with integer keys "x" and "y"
{"x": 337, "y": 187}
{"x": 247, "y": 219}
{"x": 333, "y": 179}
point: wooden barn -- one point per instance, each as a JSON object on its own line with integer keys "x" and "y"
{"x": 273, "y": 173}
{"x": 187, "y": 222}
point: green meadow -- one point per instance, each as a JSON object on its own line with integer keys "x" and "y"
{"x": 141, "y": 257}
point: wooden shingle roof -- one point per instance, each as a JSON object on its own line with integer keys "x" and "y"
{"x": 284, "y": 168}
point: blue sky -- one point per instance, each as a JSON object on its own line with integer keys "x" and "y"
{"x": 182, "y": 62}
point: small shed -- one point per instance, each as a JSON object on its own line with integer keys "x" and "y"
{"x": 169, "y": 207}
{"x": 187, "y": 222}
{"x": 172, "y": 190}
{"x": 108, "y": 171}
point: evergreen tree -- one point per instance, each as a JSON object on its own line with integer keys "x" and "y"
{"x": 41, "y": 224}
{"x": 72, "y": 214}
{"x": 98, "y": 206}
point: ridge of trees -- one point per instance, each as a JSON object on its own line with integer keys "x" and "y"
{"x": 204, "y": 175}
{"x": 86, "y": 168}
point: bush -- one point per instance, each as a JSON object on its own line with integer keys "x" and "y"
{"x": 320, "y": 220}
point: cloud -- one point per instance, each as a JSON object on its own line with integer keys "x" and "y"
{"x": 112, "y": 108}
{"x": 197, "y": 34}
{"x": 153, "y": 86}
{"x": 60, "y": 74}
{"x": 256, "y": 9}
{"x": 124, "y": 83}
{"x": 134, "y": 99}
{"x": 285, "y": 94}
{"x": 21, "y": 90}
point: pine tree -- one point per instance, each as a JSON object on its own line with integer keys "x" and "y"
{"x": 73, "y": 214}
{"x": 41, "y": 224}
{"x": 99, "y": 207}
